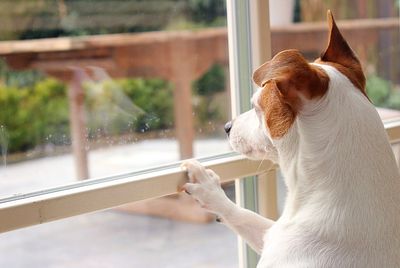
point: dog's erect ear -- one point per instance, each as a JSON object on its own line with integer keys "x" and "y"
{"x": 338, "y": 51}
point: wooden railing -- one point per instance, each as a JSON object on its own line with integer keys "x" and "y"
{"x": 161, "y": 54}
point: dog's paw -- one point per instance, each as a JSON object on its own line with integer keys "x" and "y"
{"x": 204, "y": 186}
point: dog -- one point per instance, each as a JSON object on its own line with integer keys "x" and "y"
{"x": 316, "y": 121}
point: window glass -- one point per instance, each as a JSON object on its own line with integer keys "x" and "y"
{"x": 114, "y": 238}
{"x": 94, "y": 88}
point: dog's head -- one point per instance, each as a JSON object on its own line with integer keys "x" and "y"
{"x": 287, "y": 84}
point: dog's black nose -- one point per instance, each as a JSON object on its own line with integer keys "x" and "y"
{"x": 228, "y": 127}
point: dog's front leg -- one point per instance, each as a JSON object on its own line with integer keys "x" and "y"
{"x": 204, "y": 186}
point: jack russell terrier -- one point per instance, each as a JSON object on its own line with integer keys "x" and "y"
{"x": 316, "y": 121}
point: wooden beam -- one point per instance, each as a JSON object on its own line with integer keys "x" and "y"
{"x": 77, "y": 124}
{"x": 182, "y": 73}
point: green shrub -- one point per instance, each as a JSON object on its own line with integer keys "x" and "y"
{"x": 378, "y": 90}
{"x": 155, "y": 98}
{"x": 382, "y": 93}
{"x": 213, "y": 81}
{"x": 206, "y": 87}
{"x": 51, "y": 116}
{"x": 38, "y": 115}
{"x": 13, "y": 116}
{"x": 126, "y": 105}
{"x": 206, "y": 11}
{"x": 33, "y": 116}
{"x": 394, "y": 101}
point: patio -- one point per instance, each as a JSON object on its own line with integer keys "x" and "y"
{"x": 116, "y": 239}
{"x": 112, "y": 238}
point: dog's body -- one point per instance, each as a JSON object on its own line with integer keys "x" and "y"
{"x": 343, "y": 206}
{"x": 343, "y": 203}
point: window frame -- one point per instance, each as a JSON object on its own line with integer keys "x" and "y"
{"x": 249, "y": 41}
{"x": 246, "y": 21}
{"x": 97, "y": 194}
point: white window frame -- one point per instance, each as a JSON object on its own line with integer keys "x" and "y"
{"x": 249, "y": 46}
{"x": 97, "y": 194}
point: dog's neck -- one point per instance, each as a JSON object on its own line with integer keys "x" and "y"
{"x": 335, "y": 145}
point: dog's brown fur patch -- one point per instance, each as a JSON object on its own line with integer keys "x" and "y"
{"x": 288, "y": 76}
{"x": 339, "y": 55}
{"x": 279, "y": 116}
{"x": 283, "y": 79}
{"x": 293, "y": 75}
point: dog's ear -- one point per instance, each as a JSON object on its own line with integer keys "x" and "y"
{"x": 260, "y": 75}
{"x": 278, "y": 114}
{"x": 339, "y": 52}
{"x": 293, "y": 76}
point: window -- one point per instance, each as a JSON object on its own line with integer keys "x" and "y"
{"x": 94, "y": 89}
{"x": 124, "y": 132}
{"x": 99, "y": 100}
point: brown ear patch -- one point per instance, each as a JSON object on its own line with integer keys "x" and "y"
{"x": 293, "y": 76}
{"x": 285, "y": 80}
{"x": 279, "y": 116}
{"x": 337, "y": 50}
{"x": 339, "y": 55}
{"x": 261, "y": 75}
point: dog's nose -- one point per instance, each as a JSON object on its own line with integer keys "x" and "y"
{"x": 228, "y": 127}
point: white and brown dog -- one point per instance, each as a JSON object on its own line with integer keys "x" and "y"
{"x": 315, "y": 120}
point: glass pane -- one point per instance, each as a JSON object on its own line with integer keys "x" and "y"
{"x": 114, "y": 238}
{"x": 372, "y": 30}
{"x": 96, "y": 88}
{"x": 91, "y": 89}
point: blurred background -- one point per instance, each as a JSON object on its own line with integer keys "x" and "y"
{"x": 94, "y": 88}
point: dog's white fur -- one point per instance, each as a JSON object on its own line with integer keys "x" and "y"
{"x": 343, "y": 202}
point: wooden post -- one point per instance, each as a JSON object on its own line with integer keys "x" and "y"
{"x": 267, "y": 195}
{"x": 182, "y": 74}
{"x": 77, "y": 122}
